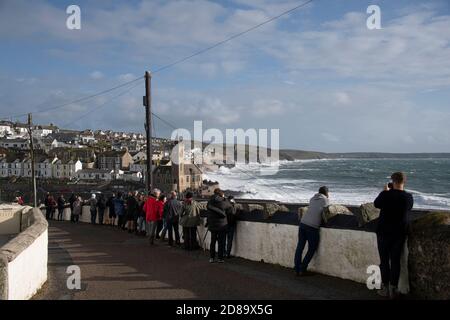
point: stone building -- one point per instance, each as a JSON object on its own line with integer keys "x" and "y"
{"x": 114, "y": 160}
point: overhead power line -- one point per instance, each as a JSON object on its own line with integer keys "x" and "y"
{"x": 167, "y": 66}
{"x": 102, "y": 105}
{"x": 82, "y": 99}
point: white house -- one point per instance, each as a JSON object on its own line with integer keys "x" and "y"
{"x": 22, "y": 144}
{"x": 66, "y": 169}
{"x": 45, "y": 168}
{"x": 141, "y": 155}
{"x": 5, "y": 128}
{"x": 94, "y": 174}
{"x": 130, "y": 176}
{"x": 4, "y": 168}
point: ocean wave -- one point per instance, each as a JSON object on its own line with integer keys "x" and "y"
{"x": 301, "y": 190}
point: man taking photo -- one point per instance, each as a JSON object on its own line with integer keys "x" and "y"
{"x": 395, "y": 203}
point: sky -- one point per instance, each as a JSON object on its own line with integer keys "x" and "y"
{"x": 318, "y": 74}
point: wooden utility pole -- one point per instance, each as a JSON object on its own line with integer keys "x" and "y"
{"x": 148, "y": 129}
{"x": 33, "y": 176}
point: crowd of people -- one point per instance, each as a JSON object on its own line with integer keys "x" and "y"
{"x": 157, "y": 216}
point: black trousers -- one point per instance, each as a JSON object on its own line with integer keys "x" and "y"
{"x": 172, "y": 227}
{"x": 390, "y": 248}
{"x": 217, "y": 237}
{"x": 159, "y": 227}
{"x": 121, "y": 221}
{"x": 229, "y": 239}
{"x": 93, "y": 215}
{"x": 190, "y": 238}
{"x": 60, "y": 213}
{"x": 101, "y": 215}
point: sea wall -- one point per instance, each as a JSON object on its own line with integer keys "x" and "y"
{"x": 267, "y": 231}
{"x": 23, "y": 260}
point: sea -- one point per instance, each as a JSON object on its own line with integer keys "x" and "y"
{"x": 350, "y": 181}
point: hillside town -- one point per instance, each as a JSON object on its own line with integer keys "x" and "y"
{"x": 88, "y": 156}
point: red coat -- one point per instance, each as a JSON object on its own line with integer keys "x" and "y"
{"x": 152, "y": 210}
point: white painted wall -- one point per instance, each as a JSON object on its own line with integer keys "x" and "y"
{"x": 344, "y": 254}
{"x": 28, "y": 271}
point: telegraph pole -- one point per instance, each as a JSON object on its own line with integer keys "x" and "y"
{"x": 148, "y": 129}
{"x": 33, "y": 177}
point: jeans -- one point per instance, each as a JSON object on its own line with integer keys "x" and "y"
{"x": 141, "y": 224}
{"x": 164, "y": 229}
{"x": 229, "y": 239}
{"x": 76, "y": 217}
{"x": 310, "y": 235}
{"x": 151, "y": 229}
{"x": 190, "y": 238}
{"x": 219, "y": 237}
{"x": 101, "y": 215}
{"x": 172, "y": 227}
{"x": 93, "y": 215}
{"x": 390, "y": 249}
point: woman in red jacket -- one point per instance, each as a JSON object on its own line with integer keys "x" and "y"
{"x": 152, "y": 214}
{"x": 160, "y": 204}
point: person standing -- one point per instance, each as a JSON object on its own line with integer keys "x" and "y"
{"x": 172, "y": 210}
{"x": 77, "y": 207}
{"x": 231, "y": 226}
{"x": 101, "y": 205}
{"x": 61, "y": 205}
{"x": 111, "y": 209}
{"x": 152, "y": 214}
{"x": 141, "y": 216}
{"x": 132, "y": 211}
{"x": 162, "y": 199}
{"x": 93, "y": 208}
{"x": 119, "y": 209}
{"x": 394, "y": 204}
{"x": 190, "y": 220}
{"x": 217, "y": 224}
{"x": 72, "y": 200}
{"x": 309, "y": 230}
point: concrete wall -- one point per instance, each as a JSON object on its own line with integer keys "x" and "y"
{"x": 10, "y": 216}
{"x": 342, "y": 253}
{"x": 23, "y": 260}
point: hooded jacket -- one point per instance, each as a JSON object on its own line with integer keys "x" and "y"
{"x": 313, "y": 217}
{"x": 217, "y": 218}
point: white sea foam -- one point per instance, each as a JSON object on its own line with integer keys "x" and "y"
{"x": 245, "y": 178}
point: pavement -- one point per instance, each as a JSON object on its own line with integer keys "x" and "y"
{"x": 117, "y": 265}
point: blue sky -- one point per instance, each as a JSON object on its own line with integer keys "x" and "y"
{"x": 319, "y": 75}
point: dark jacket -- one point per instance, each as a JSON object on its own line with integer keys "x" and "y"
{"x": 394, "y": 205}
{"x": 172, "y": 210}
{"x": 61, "y": 203}
{"x": 231, "y": 215}
{"x": 101, "y": 203}
{"x": 216, "y": 213}
{"x": 132, "y": 206}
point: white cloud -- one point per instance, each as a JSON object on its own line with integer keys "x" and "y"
{"x": 96, "y": 75}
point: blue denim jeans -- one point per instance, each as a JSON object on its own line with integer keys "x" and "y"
{"x": 310, "y": 235}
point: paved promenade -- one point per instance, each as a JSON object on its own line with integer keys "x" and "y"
{"x": 118, "y": 265}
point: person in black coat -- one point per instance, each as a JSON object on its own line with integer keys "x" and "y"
{"x": 61, "y": 205}
{"x": 72, "y": 200}
{"x": 101, "y": 205}
{"x": 217, "y": 223}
